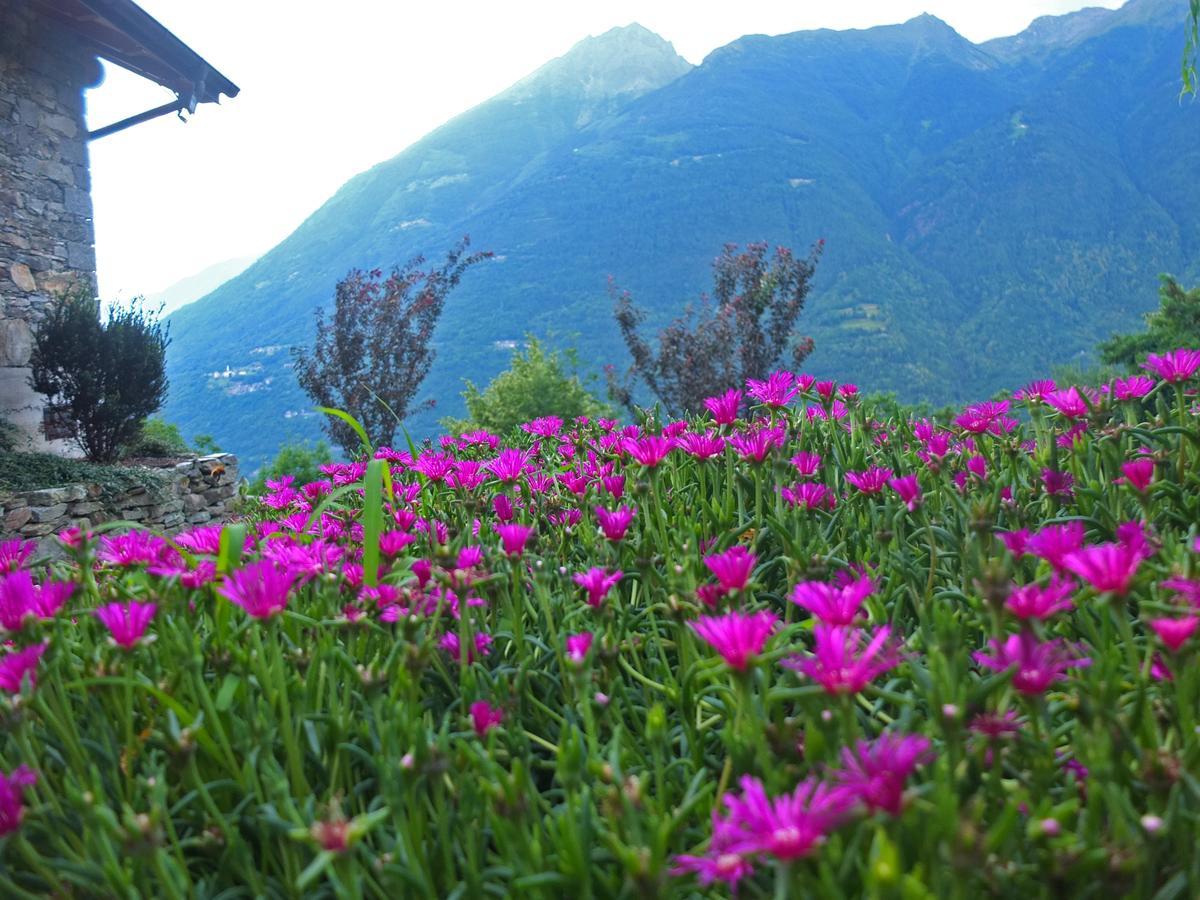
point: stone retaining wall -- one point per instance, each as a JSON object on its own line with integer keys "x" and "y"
{"x": 179, "y": 494}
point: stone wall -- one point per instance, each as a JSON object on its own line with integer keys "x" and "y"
{"x": 46, "y": 235}
{"x": 179, "y": 494}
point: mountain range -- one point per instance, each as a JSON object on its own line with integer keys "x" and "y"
{"x": 989, "y": 210}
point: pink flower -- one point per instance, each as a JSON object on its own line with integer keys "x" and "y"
{"x": 809, "y": 496}
{"x": 578, "y": 646}
{"x": 23, "y": 601}
{"x": 1109, "y": 568}
{"x": 872, "y": 481}
{"x": 756, "y": 445}
{"x": 546, "y": 426}
{"x": 732, "y": 568}
{"x": 132, "y": 549}
{"x": 12, "y": 804}
{"x": 720, "y": 864}
{"x": 598, "y": 582}
{"x": 1174, "y": 367}
{"x": 702, "y": 446}
{"x": 16, "y": 665}
{"x": 847, "y": 659}
{"x": 453, "y": 646}
{"x": 807, "y": 464}
{"x": 485, "y": 717}
{"x": 650, "y": 450}
{"x": 260, "y": 588}
{"x": 1038, "y": 664}
{"x": 1188, "y": 589}
{"x": 875, "y": 771}
{"x": 1133, "y": 388}
{"x": 779, "y": 389}
{"x": 724, "y": 408}
{"x": 1054, "y": 543}
{"x": 738, "y": 637}
{"x": 1069, "y": 403}
{"x": 909, "y": 490}
{"x": 1015, "y": 541}
{"x": 392, "y": 543}
{"x": 1058, "y": 484}
{"x": 1032, "y": 601}
{"x": 980, "y": 417}
{"x": 834, "y": 604}
{"x": 126, "y": 621}
{"x": 206, "y": 540}
{"x": 14, "y": 554}
{"x": 1137, "y": 474}
{"x": 1175, "y": 632}
{"x": 513, "y": 538}
{"x": 1035, "y": 391}
{"x": 614, "y": 524}
{"x": 434, "y": 466}
{"x": 510, "y": 465}
{"x": 787, "y": 827}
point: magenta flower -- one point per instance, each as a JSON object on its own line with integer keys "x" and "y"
{"x": 756, "y": 445}
{"x": 724, "y": 408}
{"x": 738, "y": 637}
{"x": 649, "y": 450}
{"x": 12, "y": 802}
{"x": 578, "y": 646}
{"x": 14, "y": 554}
{"x": 1109, "y": 568}
{"x": 872, "y": 481}
{"x": 909, "y": 490}
{"x": 206, "y": 540}
{"x": 1038, "y": 664}
{"x": 1035, "y": 391}
{"x": 732, "y": 568}
{"x": 1015, "y": 541}
{"x": 847, "y": 659}
{"x": 546, "y": 426}
{"x": 980, "y": 417}
{"x": 453, "y": 646}
{"x": 720, "y": 864}
{"x": 22, "y": 601}
{"x": 392, "y": 543}
{"x": 597, "y": 582}
{"x": 134, "y": 548}
{"x": 513, "y": 538}
{"x": 1069, "y": 403}
{"x": 875, "y": 771}
{"x": 1133, "y": 388}
{"x": 434, "y": 466}
{"x": 614, "y": 524}
{"x": 807, "y": 464}
{"x": 1174, "y": 367}
{"x": 809, "y": 495}
{"x": 260, "y": 588}
{"x": 1137, "y": 474}
{"x": 1032, "y": 601}
{"x": 1058, "y": 484}
{"x": 126, "y": 622}
{"x": 787, "y": 827}
{"x": 834, "y": 604}
{"x": 16, "y": 665}
{"x": 1174, "y": 633}
{"x": 1188, "y": 589}
{"x": 510, "y": 465}
{"x": 779, "y": 389}
{"x": 485, "y": 717}
{"x": 1054, "y": 543}
{"x": 702, "y": 446}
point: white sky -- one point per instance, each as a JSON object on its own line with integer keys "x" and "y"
{"x": 331, "y": 87}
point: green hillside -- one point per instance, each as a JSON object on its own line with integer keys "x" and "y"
{"x": 989, "y": 210}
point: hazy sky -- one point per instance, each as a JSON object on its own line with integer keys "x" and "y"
{"x": 328, "y": 89}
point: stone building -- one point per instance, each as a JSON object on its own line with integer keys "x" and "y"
{"x": 49, "y": 55}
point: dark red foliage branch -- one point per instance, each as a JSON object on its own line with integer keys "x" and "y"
{"x": 372, "y": 354}
{"x": 744, "y": 330}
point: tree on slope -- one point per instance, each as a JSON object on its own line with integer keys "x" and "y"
{"x": 1176, "y": 323}
{"x": 744, "y": 330}
{"x": 371, "y": 355}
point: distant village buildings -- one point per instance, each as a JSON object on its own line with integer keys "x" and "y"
{"x": 49, "y": 54}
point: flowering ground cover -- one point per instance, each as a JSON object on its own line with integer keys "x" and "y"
{"x": 784, "y": 649}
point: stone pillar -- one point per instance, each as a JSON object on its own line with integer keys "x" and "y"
{"x": 46, "y": 235}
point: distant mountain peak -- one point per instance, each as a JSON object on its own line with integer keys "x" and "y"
{"x": 625, "y": 61}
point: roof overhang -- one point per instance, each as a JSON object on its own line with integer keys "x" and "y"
{"x": 123, "y": 33}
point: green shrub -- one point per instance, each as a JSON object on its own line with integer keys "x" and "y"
{"x": 300, "y": 459}
{"x": 157, "y": 437}
{"x": 538, "y": 383}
